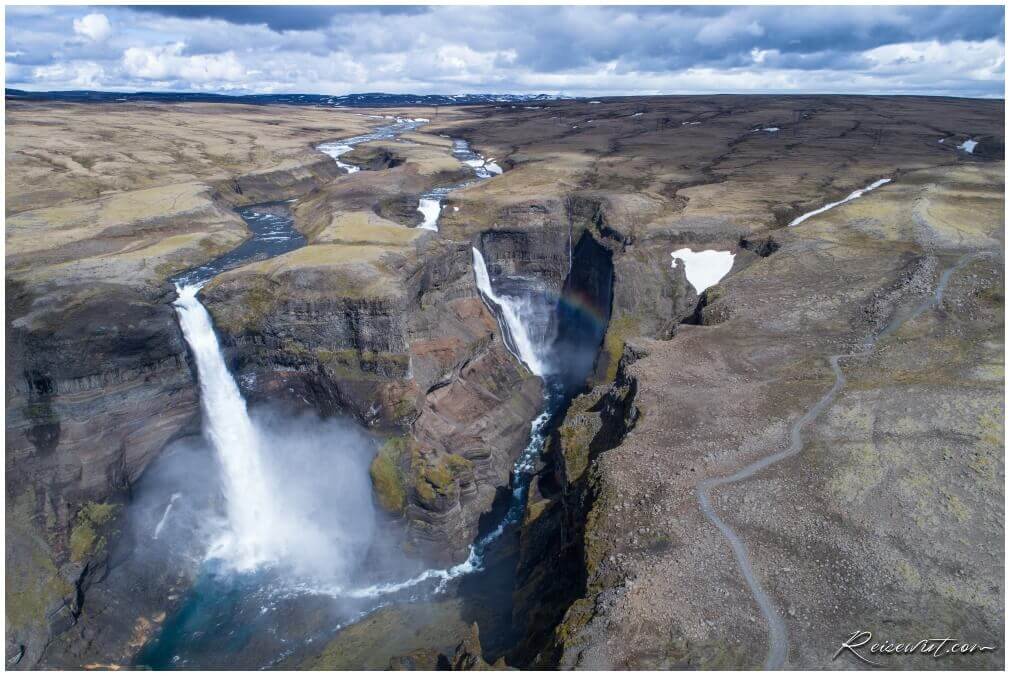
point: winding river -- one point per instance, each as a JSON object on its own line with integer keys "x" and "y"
{"x": 245, "y": 608}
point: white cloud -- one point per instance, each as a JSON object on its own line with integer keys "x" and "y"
{"x": 83, "y": 75}
{"x": 568, "y": 49}
{"x": 93, "y": 26}
{"x": 981, "y": 60}
{"x": 168, "y": 63}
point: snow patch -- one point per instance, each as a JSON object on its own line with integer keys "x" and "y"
{"x": 968, "y": 146}
{"x": 853, "y": 195}
{"x": 704, "y": 269}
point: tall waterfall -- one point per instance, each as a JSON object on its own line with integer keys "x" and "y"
{"x": 513, "y": 315}
{"x": 260, "y": 529}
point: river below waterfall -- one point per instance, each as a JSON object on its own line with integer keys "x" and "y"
{"x": 271, "y": 520}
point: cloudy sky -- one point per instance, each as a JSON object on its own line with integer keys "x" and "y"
{"x": 447, "y": 50}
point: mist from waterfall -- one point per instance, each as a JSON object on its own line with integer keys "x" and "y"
{"x": 281, "y": 510}
{"x": 275, "y": 516}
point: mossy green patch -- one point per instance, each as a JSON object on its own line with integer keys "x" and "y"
{"x": 85, "y": 537}
{"x": 534, "y": 510}
{"x": 908, "y": 574}
{"x": 955, "y": 506}
{"x": 387, "y": 475}
{"x": 861, "y": 473}
{"x": 33, "y": 585}
{"x": 438, "y": 478}
{"x": 575, "y": 440}
{"x": 576, "y": 617}
{"x": 618, "y": 332}
{"x": 363, "y": 364}
{"x": 33, "y": 582}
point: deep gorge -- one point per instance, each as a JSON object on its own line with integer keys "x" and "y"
{"x": 533, "y": 414}
{"x": 567, "y": 327}
{"x": 348, "y": 357}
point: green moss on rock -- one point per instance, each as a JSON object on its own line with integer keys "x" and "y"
{"x": 85, "y": 537}
{"x": 387, "y": 476}
{"x": 33, "y": 583}
{"x": 33, "y": 586}
{"x": 618, "y": 332}
{"x": 438, "y": 478}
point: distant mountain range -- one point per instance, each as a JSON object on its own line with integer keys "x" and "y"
{"x": 370, "y": 100}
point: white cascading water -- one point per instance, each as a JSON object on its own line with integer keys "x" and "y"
{"x": 430, "y": 209}
{"x": 511, "y": 312}
{"x": 335, "y": 150}
{"x": 260, "y": 530}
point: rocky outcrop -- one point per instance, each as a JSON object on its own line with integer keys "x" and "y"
{"x": 98, "y": 379}
{"x": 398, "y": 337}
{"x": 541, "y": 254}
{"x": 468, "y": 434}
{"x": 556, "y": 553}
{"x": 468, "y": 655}
{"x": 292, "y": 179}
{"x": 92, "y": 397}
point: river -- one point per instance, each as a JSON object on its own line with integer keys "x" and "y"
{"x": 287, "y": 560}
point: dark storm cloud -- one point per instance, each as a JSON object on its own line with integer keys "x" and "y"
{"x": 451, "y": 49}
{"x": 286, "y": 18}
{"x": 681, "y": 37}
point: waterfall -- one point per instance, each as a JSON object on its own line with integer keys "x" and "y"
{"x": 260, "y": 529}
{"x": 512, "y": 313}
{"x": 430, "y": 209}
{"x": 335, "y": 150}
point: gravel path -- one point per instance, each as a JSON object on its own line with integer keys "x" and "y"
{"x": 778, "y": 635}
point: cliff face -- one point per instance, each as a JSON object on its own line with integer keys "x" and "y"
{"x": 291, "y": 179}
{"x": 383, "y": 321}
{"x": 539, "y": 252}
{"x": 98, "y": 379}
{"x": 399, "y": 338}
{"x": 556, "y": 557}
{"x": 93, "y": 394}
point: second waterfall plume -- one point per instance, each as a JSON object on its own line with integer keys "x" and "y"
{"x": 267, "y": 523}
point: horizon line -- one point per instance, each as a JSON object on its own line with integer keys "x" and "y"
{"x": 560, "y": 96}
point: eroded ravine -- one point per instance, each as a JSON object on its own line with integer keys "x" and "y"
{"x": 263, "y": 533}
{"x": 778, "y": 634}
{"x": 533, "y": 315}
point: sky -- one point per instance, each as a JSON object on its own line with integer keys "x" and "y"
{"x": 570, "y": 50}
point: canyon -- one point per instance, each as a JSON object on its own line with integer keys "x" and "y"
{"x": 666, "y": 479}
